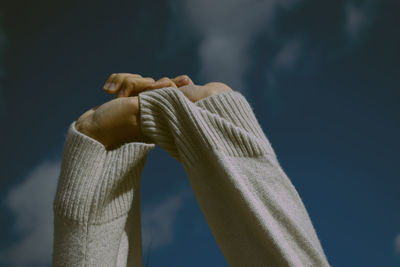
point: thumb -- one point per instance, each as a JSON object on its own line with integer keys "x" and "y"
{"x": 193, "y": 92}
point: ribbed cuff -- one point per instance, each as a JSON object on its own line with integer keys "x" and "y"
{"x": 97, "y": 185}
{"x": 234, "y": 107}
{"x": 224, "y": 122}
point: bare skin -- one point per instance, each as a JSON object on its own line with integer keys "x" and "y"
{"x": 116, "y": 121}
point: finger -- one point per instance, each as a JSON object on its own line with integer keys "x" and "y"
{"x": 161, "y": 83}
{"x": 182, "y": 80}
{"x": 124, "y": 89}
{"x": 218, "y": 86}
{"x": 193, "y": 92}
{"x": 113, "y": 83}
{"x": 130, "y": 74}
{"x": 133, "y": 86}
{"x": 109, "y": 85}
{"x": 139, "y": 85}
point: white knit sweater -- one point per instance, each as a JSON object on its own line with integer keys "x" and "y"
{"x": 250, "y": 205}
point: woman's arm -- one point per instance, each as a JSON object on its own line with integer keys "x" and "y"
{"x": 251, "y": 207}
{"x": 97, "y": 205}
{"x": 95, "y": 193}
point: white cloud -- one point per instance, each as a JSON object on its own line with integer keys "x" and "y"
{"x": 355, "y": 19}
{"x": 228, "y": 28}
{"x": 283, "y": 61}
{"x": 32, "y": 205}
{"x": 288, "y": 55}
{"x": 397, "y": 244}
{"x": 158, "y": 221}
{"x": 31, "y": 202}
{"x": 358, "y": 17}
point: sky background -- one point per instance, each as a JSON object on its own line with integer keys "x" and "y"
{"x": 323, "y": 78}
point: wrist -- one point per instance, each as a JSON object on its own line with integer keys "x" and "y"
{"x": 81, "y": 126}
{"x": 85, "y": 127}
{"x": 113, "y": 123}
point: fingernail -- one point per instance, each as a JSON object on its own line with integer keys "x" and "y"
{"x": 109, "y": 86}
{"x": 112, "y": 86}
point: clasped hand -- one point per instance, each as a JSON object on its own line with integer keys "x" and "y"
{"x": 116, "y": 121}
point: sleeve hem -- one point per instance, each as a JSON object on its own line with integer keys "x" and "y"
{"x": 96, "y": 185}
{"x": 187, "y": 130}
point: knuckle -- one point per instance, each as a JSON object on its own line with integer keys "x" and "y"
{"x": 184, "y": 77}
{"x": 134, "y": 74}
{"x": 124, "y": 83}
{"x": 226, "y": 88}
{"x": 131, "y": 80}
{"x": 118, "y": 78}
{"x": 218, "y": 86}
{"x": 149, "y": 79}
{"x": 164, "y": 79}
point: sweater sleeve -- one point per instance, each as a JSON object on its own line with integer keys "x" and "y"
{"x": 96, "y": 208}
{"x": 250, "y": 205}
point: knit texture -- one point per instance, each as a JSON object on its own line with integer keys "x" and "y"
{"x": 96, "y": 189}
{"x": 250, "y": 205}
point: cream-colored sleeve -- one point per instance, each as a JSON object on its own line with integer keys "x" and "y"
{"x": 250, "y": 205}
{"x": 97, "y": 204}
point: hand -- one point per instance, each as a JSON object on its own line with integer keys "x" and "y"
{"x": 116, "y": 122}
{"x": 193, "y": 92}
{"x": 198, "y": 92}
{"x": 112, "y": 123}
{"x": 126, "y": 84}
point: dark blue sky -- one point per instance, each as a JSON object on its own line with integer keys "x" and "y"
{"x": 322, "y": 77}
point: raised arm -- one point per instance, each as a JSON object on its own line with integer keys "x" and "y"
{"x": 97, "y": 205}
{"x": 250, "y": 205}
{"x": 96, "y": 190}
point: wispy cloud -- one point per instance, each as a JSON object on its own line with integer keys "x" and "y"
{"x": 358, "y": 17}
{"x": 284, "y": 60}
{"x": 31, "y": 203}
{"x": 158, "y": 221}
{"x": 287, "y": 56}
{"x": 228, "y": 29}
{"x": 397, "y": 244}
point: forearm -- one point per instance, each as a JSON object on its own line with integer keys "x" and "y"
{"x": 254, "y": 212}
{"x": 94, "y": 199}
{"x": 252, "y": 208}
